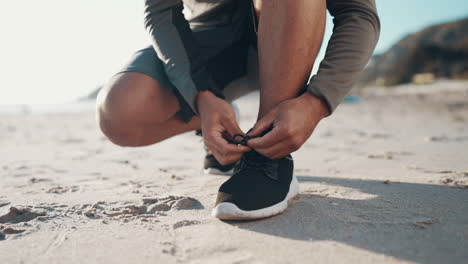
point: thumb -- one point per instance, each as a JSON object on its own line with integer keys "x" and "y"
{"x": 263, "y": 124}
{"x": 232, "y": 127}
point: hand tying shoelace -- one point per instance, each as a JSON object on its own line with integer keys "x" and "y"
{"x": 242, "y": 141}
{"x": 245, "y": 138}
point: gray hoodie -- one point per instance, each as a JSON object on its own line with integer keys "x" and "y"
{"x": 221, "y": 23}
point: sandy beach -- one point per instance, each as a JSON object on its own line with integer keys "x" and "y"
{"x": 383, "y": 180}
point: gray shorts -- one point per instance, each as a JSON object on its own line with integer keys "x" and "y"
{"x": 234, "y": 69}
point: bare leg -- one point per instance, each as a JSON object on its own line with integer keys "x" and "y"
{"x": 136, "y": 110}
{"x": 290, "y": 34}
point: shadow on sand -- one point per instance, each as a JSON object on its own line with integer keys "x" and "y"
{"x": 385, "y": 224}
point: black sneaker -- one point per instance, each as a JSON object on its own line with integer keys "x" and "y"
{"x": 260, "y": 187}
{"x": 212, "y": 166}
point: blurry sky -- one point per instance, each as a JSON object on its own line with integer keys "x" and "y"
{"x": 53, "y": 51}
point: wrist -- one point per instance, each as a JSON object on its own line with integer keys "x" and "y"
{"x": 201, "y": 98}
{"x": 318, "y": 105}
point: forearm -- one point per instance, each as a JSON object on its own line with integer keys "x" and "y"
{"x": 356, "y": 31}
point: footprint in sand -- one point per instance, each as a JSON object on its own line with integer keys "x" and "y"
{"x": 15, "y": 222}
{"x": 62, "y": 189}
{"x": 375, "y": 135}
{"x": 16, "y": 215}
{"x": 380, "y": 136}
{"x": 23, "y": 220}
{"x": 175, "y": 202}
{"x": 380, "y": 156}
{"x": 456, "y": 180}
{"x": 150, "y": 208}
{"x": 439, "y": 171}
{"x": 38, "y": 180}
{"x": 390, "y": 155}
{"x": 445, "y": 139}
{"x": 10, "y": 230}
{"x": 185, "y": 223}
{"x": 169, "y": 248}
{"x": 457, "y": 106}
{"x": 125, "y": 162}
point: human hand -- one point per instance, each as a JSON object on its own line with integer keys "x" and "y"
{"x": 292, "y": 122}
{"x": 218, "y": 123}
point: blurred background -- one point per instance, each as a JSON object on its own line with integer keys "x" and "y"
{"x": 58, "y": 51}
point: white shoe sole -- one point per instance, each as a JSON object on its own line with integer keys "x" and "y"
{"x": 214, "y": 171}
{"x": 230, "y": 211}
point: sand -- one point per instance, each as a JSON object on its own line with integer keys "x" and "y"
{"x": 383, "y": 180}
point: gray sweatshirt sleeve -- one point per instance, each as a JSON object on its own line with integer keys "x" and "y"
{"x": 355, "y": 34}
{"x": 175, "y": 45}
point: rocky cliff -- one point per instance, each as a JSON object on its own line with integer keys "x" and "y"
{"x": 439, "y": 51}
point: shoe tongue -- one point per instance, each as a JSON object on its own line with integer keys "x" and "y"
{"x": 259, "y": 161}
{"x": 255, "y": 157}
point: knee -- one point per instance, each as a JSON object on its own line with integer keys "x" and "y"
{"x": 118, "y": 130}
{"x": 124, "y": 108}
{"x": 120, "y": 133}
{"x": 126, "y": 135}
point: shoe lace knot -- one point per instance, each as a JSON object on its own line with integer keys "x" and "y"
{"x": 254, "y": 161}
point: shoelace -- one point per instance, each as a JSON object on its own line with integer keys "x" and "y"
{"x": 242, "y": 141}
{"x": 255, "y": 161}
{"x": 244, "y": 138}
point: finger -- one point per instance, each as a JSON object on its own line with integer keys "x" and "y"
{"x": 287, "y": 146}
{"x": 231, "y": 158}
{"x": 275, "y": 136}
{"x": 225, "y": 159}
{"x": 275, "y": 151}
{"x": 232, "y": 127}
{"x": 263, "y": 124}
{"x": 220, "y": 157}
{"x": 225, "y": 147}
